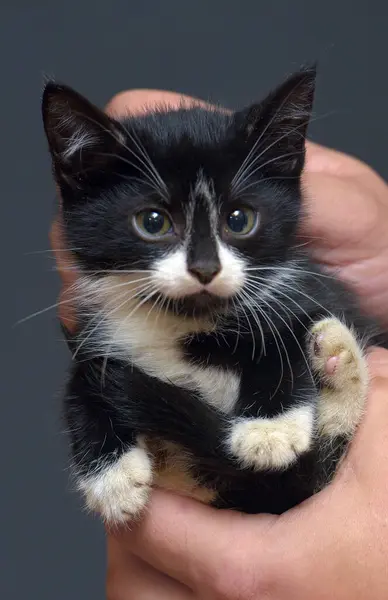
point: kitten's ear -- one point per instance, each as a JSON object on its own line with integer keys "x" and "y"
{"x": 81, "y": 137}
{"x": 277, "y": 126}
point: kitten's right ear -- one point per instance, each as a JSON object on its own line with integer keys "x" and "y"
{"x": 81, "y": 137}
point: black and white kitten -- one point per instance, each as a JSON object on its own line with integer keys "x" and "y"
{"x": 213, "y": 356}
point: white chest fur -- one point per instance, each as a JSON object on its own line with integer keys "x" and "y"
{"x": 151, "y": 342}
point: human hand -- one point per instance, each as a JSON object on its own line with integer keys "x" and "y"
{"x": 335, "y": 545}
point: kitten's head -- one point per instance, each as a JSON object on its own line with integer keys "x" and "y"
{"x": 183, "y": 204}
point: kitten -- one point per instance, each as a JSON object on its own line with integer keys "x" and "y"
{"x": 213, "y": 356}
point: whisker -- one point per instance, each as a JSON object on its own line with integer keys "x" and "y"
{"x": 241, "y": 293}
{"x": 291, "y": 269}
{"x": 293, "y": 335}
{"x": 106, "y": 315}
{"x": 135, "y": 138}
{"x": 151, "y": 174}
{"x": 121, "y": 324}
{"x": 51, "y": 251}
{"x": 275, "y": 334}
{"x": 235, "y": 185}
{"x": 261, "y": 136}
{"x": 286, "y": 285}
{"x": 240, "y": 190}
{"x": 238, "y": 326}
{"x": 272, "y": 296}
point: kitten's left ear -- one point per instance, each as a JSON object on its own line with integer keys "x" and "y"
{"x": 81, "y": 137}
{"x": 277, "y": 127}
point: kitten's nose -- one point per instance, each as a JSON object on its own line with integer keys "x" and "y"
{"x": 205, "y": 273}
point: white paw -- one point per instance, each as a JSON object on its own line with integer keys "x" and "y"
{"x": 273, "y": 443}
{"x": 120, "y": 492}
{"x": 336, "y": 355}
{"x": 338, "y": 359}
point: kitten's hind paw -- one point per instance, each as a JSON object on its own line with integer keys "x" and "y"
{"x": 121, "y": 491}
{"x": 338, "y": 359}
{"x": 276, "y": 443}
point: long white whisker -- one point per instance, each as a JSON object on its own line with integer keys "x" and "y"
{"x": 135, "y": 138}
{"x": 246, "y": 174}
{"x": 115, "y": 309}
{"x": 257, "y": 320}
{"x": 290, "y": 287}
{"x": 272, "y": 293}
{"x": 275, "y": 334}
{"x": 121, "y": 324}
{"x": 241, "y": 293}
{"x": 261, "y": 136}
{"x": 292, "y": 333}
{"x": 240, "y": 190}
{"x": 151, "y": 174}
{"x": 291, "y": 269}
{"x": 146, "y": 174}
{"x": 51, "y": 251}
{"x": 238, "y": 325}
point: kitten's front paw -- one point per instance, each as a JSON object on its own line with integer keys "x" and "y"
{"x": 272, "y": 443}
{"x": 336, "y": 355}
{"x": 120, "y": 492}
{"x": 338, "y": 359}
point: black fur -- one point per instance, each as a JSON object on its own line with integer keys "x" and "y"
{"x": 110, "y": 401}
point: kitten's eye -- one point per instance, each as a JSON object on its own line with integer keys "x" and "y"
{"x": 241, "y": 221}
{"x": 153, "y": 224}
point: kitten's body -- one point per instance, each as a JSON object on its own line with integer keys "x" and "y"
{"x": 205, "y": 342}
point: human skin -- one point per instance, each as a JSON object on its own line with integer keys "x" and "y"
{"x": 335, "y": 545}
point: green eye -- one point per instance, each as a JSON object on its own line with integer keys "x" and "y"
{"x": 153, "y": 223}
{"x": 241, "y": 221}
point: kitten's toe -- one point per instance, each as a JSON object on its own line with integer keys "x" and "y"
{"x": 272, "y": 443}
{"x": 120, "y": 492}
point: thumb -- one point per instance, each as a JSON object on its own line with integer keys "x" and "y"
{"x": 369, "y": 450}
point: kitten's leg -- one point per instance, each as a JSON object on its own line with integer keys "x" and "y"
{"x": 338, "y": 359}
{"x": 273, "y": 443}
{"x": 112, "y": 468}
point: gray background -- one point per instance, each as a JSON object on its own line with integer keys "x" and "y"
{"x": 228, "y": 51}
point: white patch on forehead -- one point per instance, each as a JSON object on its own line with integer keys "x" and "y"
{"x": 204, "y": 188}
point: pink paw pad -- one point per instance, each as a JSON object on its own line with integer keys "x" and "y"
{"x": 332, "y": 361}
{"x": 331, "y": 365}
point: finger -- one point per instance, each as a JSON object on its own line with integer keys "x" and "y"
{"x": 129, "y": 578}
{"x": 135, "y": 102}
{"x": 368, "y": 452}
{"x": 67, "y": 273}
{"x": 191, "y": 542}
{"x": 328, "y": 199}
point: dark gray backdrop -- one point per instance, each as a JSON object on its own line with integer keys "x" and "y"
{"x": 228, "y": 51}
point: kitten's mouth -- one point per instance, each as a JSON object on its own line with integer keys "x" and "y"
{"x": 202, "y": 303}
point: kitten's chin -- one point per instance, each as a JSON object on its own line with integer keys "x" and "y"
{"x": 202, "y": 304}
